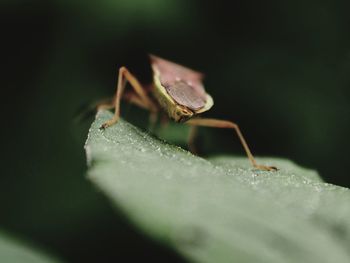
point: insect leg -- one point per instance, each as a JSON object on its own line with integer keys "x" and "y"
{"x": 133, "y": 98}
{"x": 191, "y": 139}
{"x": 125, "y": 75}
{"x": 139, "y": 89}
{"x": 106, "y": 104}
{"x": 88, "y": 110}
{"x": 230, "y": 125}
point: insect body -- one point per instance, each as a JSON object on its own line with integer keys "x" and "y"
{"x": 179, "y": 92}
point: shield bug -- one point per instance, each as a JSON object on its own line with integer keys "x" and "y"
{"x": 179, "y": 92}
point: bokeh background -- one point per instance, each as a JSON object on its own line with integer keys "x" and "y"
{"x": 280, "y": 69}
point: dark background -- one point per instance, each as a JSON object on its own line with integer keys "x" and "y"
{"x": 280, "y": 69}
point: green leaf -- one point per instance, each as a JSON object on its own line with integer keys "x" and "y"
{"x": 13, "y": 251}
{"x": 221, "y": 209}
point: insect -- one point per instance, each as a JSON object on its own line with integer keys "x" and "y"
{"x": 179, "y": 92}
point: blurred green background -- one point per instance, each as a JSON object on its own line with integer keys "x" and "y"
{"x": 280, "y": 69}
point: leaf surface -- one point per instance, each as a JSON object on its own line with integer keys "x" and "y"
{"x": 13, "y": 251}
{"x": 220, "y": 209}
